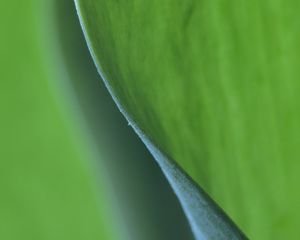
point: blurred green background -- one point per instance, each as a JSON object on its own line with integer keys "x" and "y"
{"x": 71, "y": 167}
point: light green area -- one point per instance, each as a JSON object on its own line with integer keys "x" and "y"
{"x": 215, "y": 85}
{"x": 47, "y": 188}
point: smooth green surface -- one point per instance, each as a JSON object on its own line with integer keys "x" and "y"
{"x": 214, "y": 84}
{"x": 47, "y": 189}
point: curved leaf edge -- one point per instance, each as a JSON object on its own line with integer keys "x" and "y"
{"x": 206, "y": 218}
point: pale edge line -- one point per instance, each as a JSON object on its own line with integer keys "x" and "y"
{"x": 207, "y": 220}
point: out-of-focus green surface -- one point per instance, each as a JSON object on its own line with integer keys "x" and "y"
{"x": 46, "y": 185}
{"x": 215, "y": 85}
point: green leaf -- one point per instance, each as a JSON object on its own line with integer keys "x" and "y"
{"x": 213, "y": 85}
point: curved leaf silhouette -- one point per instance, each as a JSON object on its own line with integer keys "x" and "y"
{"x": 213, "y": 85}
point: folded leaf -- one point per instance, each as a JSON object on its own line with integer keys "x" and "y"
{"x": 213, "y": 85}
